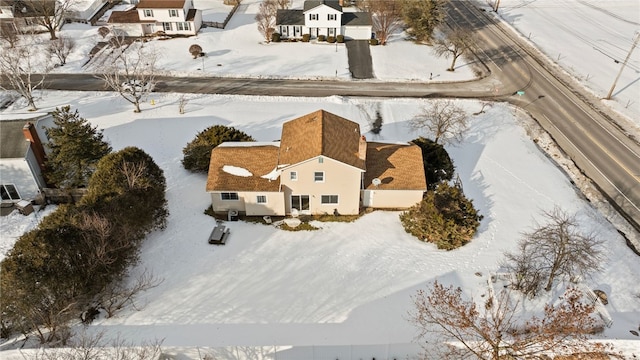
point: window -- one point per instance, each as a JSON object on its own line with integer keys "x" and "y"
{"x": 9, "y": 192}
{"x": 332, "y": 32}
{"x": 313, "y": 16}
{"x": 183, "y": 26}
{"x": 261, "y": 199}
{"x": 229, "y": 196}
{"x": 173, "y": 13}
{"x": 166, "y": 26}
{"x": 332, "y": 17}
{"x": 318, "y": 176}
{"x": 329, "y": 199}
{"x": 148, "y": 13}
{"x": 320, "y": 160}
{"x": 293, "y": 176}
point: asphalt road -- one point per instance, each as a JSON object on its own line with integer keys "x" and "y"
{"x": 583, "y": 128}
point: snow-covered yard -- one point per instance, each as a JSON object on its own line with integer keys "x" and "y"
{"x": 347, "y": 283}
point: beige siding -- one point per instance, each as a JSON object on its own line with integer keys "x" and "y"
{"x": 248, "y": 203}
{"x": 274, "y": 205}
{"x": 220, "y": 205}
{"x": 391, "y": 199}
{"x": 339, "y": 179}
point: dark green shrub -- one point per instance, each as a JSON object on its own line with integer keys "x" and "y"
{"x": 321, "y": 38}
{"x": 197, "y": 153}
{"x": 331, "y": 39}
{"x": 373, "y": 42}
{"x": 438, "y": 166}
{"x": 444, "y": 217}
{"x": 340, "y": 38}
{"x": 275, "y": 37}
{"x": 306, "y": 37}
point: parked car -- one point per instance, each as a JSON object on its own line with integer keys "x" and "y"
{"x": 137, "y": 86}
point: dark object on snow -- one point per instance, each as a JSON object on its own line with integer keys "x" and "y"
{"x": 602, "y": 296}
{"x": 219, "y": 235}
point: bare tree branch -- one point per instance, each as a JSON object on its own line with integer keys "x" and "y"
{"x": 132, "y": 71}
{"x": 442, "y": 119}
{"x": 456, "y": 328}
{"x": 22, "y": 68}
{"x": 266, "y": 18}
{"x": 456, "y": 43}
{"x": 556, "y": 249}
{"x": 61, "y": 48}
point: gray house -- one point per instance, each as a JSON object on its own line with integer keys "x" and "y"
{"x": 22, "y": 159}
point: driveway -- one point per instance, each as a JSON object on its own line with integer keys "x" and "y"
{"x": 359, "y": 59}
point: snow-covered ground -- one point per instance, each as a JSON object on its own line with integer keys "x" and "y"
{"x": 345, "y": 284}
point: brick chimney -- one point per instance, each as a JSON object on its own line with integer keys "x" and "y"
{"x": 362, "y": 149}
{"x": 30, "y": 133}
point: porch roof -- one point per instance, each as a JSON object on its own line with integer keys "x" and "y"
{"x": 398, "y": 166}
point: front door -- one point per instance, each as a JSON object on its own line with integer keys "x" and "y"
{"x": 300, "y": 202}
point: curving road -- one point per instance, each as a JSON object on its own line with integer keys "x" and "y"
{"x": 584, "y": 129}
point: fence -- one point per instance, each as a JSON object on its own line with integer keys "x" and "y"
{"x": 222, "y": 25}
{"x": 408, "y": 351}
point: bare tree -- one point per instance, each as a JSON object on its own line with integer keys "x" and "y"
{"x": 556, "y": 249}
{"x": 61, "y": 48}
{"x": 283, "y": 4}
{"x": 443, "y": 119}
{"x": 51, "y": 14}
{"x": 86, "y": 346}
{"x": 195, "y": 50}
{"x": 9, "y": 33}
{"x": 23, "y": 70}
{"x": 266, "y": 18}
{"x": 132, "y": 71}
{"x": 386, "y": 16}
{"x": 182, "y": 103}
{"x": 456, "y": 43}
{"x": 452, "y": 327}
{"x": 117, "y": 295}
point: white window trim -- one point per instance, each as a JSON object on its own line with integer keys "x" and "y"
{"x": 223, "y": 199}
{"x": 314, "y": 176}
{"x": 173, "y": 13}
{"x": 332, "y": 17}
{"x": 313, "y": 17}
{"x": 148, "y": 13}
{"x": 330, "y": 203}
{"x": 293, "y": 176}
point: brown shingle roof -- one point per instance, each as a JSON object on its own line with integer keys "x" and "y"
{"x": 259, "y": 160}
{"x": 320, "y": 133}
{"x": 398, "y": 166}
{"x": 161, "y": 4}
{"x": 125, "y": 17}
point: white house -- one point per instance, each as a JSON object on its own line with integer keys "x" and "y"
{"x": 173, "y": 17}
{"x": 323, "y": 17}
{"x": 321, "y": 165}
{"x": 22, "y": 158}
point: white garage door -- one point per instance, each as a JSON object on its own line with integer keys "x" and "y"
{"x": 357, "y": 32}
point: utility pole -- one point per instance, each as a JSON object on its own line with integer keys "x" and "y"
{"x": 624, "y": 63}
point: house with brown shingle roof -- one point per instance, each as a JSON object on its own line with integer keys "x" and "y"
{"x": 321, "y": 165}
{"x": 173, "y": 17}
